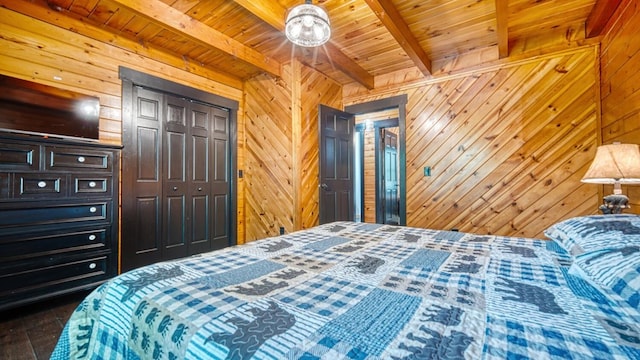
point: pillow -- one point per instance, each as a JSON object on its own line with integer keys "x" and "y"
{"x": 615, "y": 269}
{"x": 596, "y": 232}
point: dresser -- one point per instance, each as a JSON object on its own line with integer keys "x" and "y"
{"x": 58, "y": 216}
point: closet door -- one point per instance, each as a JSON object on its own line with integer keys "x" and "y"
{"x": 180, "y": 179}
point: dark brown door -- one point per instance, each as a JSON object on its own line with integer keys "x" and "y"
{"x": 336, "y": 165}
{"x": 390, "y": 171}
{"x": 176, "y": 196}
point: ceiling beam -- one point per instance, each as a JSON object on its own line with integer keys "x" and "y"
{"x": 176, "y": 21}
{"x": 502, "y": 24}
{"x": 274, "y": 14}
{"x": 599, "y": 17}
{"x": 395, "y": 24}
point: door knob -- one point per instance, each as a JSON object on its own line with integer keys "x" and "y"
{"x": 324, "y": 187}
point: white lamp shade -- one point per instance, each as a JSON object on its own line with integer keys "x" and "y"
{"x": 308, "y": 25}
{"x": 615, "y": 163}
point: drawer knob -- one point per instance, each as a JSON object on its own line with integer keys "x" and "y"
{"x": 199, "y": 189}
{"x": 93, "y": 209}
{"x": 42, "y": 184}
{"x": 92, "y": 266}
{"x": 81, "y": 159}
{"x": 92, "y": 237}
{"x": 92, "y": 184}
{"x": 175, "y": 188}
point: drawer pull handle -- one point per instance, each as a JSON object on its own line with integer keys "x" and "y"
{"x": 42, "y": 184}
{"x": 92, "y": 184}
{"x": 92, "y": 266}
{"x": 93, "y": 209}
{"x": 92, "y": 237}
{"x": 81, "y": 159}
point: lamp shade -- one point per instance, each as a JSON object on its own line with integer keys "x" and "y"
{"x": 615, "y": 163}
{"x": 308, "y": 25}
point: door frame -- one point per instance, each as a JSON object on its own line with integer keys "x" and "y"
{"x": 131, "y": 78}
{"x": 399, "y": 102}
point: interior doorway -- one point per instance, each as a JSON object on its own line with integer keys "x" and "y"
{"x": 377, "y": 174}
{"x": 380, "y": 172}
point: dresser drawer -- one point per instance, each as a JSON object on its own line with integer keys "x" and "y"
{"x": 68, "y": 158}
{"x": 29, "y": 246}
{"x": 38, "y": 185}
{"x": 48, "y": 277}
{"x": 19, "y": 156}
{"x": 87, "y": 186}
{"x": 34, "y": 215}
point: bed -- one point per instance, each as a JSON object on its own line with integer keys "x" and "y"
{"x": 349, "y": 290}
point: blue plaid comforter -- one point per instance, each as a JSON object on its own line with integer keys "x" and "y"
{"x": 356, "y": 291}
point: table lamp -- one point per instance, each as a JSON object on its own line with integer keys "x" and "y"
{"x": 615, "y": 164}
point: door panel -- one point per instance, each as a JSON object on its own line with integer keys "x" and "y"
{"x": 146, "y": 228}
{"x": 176, "y": 186}
{"x": 221, "y": 202}
{"x": 142, "y": 177}
{"x": 199, "y": 185}
{"x": 148, "y": 165}
{"x": 336, "y": 165}
{"x": 174, "y": 237}
{"x": 200, "y": 230}
{"x": 220, "y": 190}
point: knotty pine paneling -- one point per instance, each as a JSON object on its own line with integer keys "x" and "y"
{"x": 620, "y": 92}
{"x": 507, "y": 145}
{"x": 281, "y": 166}
{"x": 269, "y": 199}
{"x": 40, "y": 48}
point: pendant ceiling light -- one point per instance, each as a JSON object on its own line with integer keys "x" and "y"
{"x": 308, "y": 25}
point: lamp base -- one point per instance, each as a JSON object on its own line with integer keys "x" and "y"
{"x": 614, "y": 204}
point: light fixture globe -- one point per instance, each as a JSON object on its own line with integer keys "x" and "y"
{"x": 308, "y": 25}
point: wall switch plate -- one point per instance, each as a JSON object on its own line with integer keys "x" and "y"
{"x": 427, "y": 171}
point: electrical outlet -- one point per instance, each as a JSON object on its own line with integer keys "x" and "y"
{"x": 281, "y": 230}
{"x": 427, "y": 171}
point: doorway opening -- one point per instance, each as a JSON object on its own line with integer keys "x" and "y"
{"x": 379, "y": 148}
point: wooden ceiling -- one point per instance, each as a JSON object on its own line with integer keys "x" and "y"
{"x": 370, "y": 38}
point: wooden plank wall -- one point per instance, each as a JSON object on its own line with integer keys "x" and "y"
{"x": 38, "y": 45}
{"x": 281, "y": 166}
{"x": 620, "y": 90}
{"x": 507, "y": 145}
{"x": 269, "y": 203}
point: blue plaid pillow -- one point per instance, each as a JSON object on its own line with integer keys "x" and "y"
{"x": 596, "y": 232}
{"x": 615, "y": 269}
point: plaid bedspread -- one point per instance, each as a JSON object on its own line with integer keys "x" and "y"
{"x": 355, "y": 291}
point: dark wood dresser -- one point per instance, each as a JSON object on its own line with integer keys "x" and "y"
{"x": 58, "y": 216}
